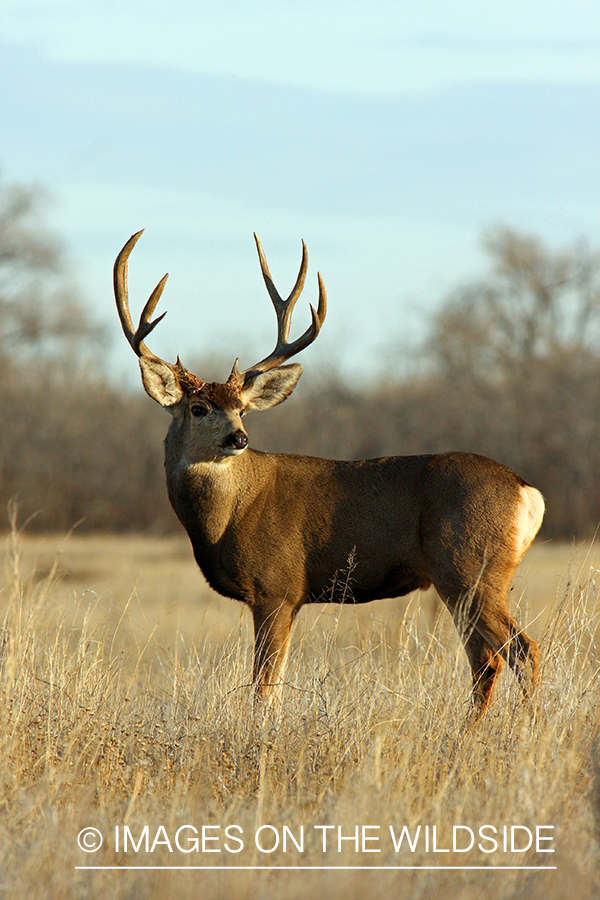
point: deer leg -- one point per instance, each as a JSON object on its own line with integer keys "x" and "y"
{"x": 271, "y": 643}
{"x": 524, "y": 658}
{"x": 486, "y": 666}
{"x": 491, "y": 635}
{"x": 500, "y": 630}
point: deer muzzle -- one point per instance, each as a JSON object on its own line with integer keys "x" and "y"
{"x": 237, "y": 440}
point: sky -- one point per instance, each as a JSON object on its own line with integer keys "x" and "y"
{"x": 389, "y": 135}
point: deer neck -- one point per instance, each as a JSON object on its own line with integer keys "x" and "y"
{"x": 208, "y": 496}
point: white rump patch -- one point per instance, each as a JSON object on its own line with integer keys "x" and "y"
{"x": 530, "y": 513}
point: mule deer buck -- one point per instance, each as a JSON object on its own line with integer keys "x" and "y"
{"x": 271, "y": 529}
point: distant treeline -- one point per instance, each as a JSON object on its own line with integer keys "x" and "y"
{"x": 510, "y": 369}
{"x": 77, "y": 452}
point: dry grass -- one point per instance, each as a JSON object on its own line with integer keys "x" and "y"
{"x": 125, "y": 704}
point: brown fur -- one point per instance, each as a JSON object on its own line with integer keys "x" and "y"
{"x": 272, "y": 530}
{"x": 220, "y": 396}
{"x": 188, "y": 381}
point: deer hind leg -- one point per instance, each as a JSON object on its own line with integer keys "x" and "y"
{"x": 491, "y": 635}
{"x": 271, "y": 644}
{"x": 505, "y": 636}
{"x": 486, "y": 666}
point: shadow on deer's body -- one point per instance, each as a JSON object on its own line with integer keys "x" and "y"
{"x": 271, "y": 529}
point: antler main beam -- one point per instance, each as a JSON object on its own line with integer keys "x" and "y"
{"x": 135, "y": 336}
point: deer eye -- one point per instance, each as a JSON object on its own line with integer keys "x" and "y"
{"x": 199, "y": 411}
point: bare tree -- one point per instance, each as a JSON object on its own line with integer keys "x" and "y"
{"x": 537, "y": 306}
{"x": 40, "y": 312}
{"x": 52, "y": 458}
{"x": 514, "y": 366}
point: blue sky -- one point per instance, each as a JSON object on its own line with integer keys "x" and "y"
{"x": 387, "y": 135}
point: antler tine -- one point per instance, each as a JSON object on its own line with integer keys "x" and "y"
{"x": 283, "y": 308}
{"x": 283, "y": 311}
{"x": 135, "y": 336}
{"x": 146, "y": 326}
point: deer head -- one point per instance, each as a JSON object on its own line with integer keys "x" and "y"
{"x": 210, "y": 414}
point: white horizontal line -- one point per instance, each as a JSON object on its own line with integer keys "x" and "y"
{"x": 328, "y": 868}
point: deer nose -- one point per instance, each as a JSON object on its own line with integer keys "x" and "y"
{"x": 238, "y": 439}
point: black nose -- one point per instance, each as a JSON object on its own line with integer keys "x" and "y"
{"x": 238, "y": 439}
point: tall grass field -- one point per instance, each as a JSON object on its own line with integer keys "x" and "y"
{"x": 132, "y": 763}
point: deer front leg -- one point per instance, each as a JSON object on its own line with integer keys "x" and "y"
{"x": 272, "y": 628}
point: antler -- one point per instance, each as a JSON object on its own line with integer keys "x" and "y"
{"x": 283, "y": 310}
{"x": 136, "y": 336}
{"x": 283, "y": 351}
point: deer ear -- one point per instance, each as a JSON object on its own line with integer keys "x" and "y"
{"x": 160, "y": 382}
{"x": 267, "y": 389}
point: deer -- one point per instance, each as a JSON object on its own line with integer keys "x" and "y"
{"x": 272, "y": 530}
